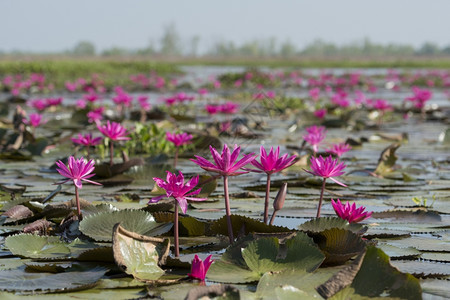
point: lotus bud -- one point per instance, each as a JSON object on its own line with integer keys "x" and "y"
{"x": 280, "y": 197}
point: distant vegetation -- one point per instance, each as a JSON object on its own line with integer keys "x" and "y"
{"x": 172, "y": 45}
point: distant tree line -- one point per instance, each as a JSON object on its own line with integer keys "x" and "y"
{"x": 171, "y": 44}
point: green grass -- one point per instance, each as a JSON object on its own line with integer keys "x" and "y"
{"x": 117, "y": 71}
{"x": 112, "y": 71}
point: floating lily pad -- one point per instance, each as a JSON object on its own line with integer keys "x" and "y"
{"x": 339, "y": 245}
{"x": 244, "y": 225}
{"x": 99, "y": 226}
{"x": 35, "y": 246}
{"x": 266, "y": 255}
{"x": 139, "y": 255}
{"x": 423, "y": 269}
{"x": 389, "y": 281}
{"x": 436, "y": 287}
{"x": 19, "y": 280}
{"x": 397, "y": 252}
{"x": 324, "y": 223}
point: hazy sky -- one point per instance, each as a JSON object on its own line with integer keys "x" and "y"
{"x": 55, "y": 25}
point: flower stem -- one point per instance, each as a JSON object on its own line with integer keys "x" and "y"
{"x": 111, "y": 152}
{"x": 87, "y": 152}
{"x": 273, "y": 217}
{"x": 227, "y": 209}
{"x": 77, "y": 199}
{"x": 175, "y": 160}
{"x": 321, "y": 198}
{"x": 175, "y": 230}
{"x": 266, "y": 202}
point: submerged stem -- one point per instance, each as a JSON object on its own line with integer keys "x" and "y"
{"x": 175, "y": 230}
{"x": 175, "y": 160}
{"x": 227, "y": 209}
{"x": 77, "y": 199}
{"x": 321, "y": 198}
{"x": 266, "y": 202}
{"x": 111, "y": 152}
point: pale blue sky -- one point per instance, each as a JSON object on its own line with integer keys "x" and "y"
{"x": 54, "y": 25}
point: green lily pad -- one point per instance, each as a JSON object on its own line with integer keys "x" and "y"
{"x": 423, "y": 269}
{"x": 266, "y": 255}
{"x": 436, "y": 287}
{"x": 321, "y": 224}
{"x": 397, "y": 252}
{"x": 18, "y": 280}
{"x": 35, "y": 246}
{"x": 291, "y": 282}
{"x": 139, "y": 255}
{"x": 11, "y": 263}
{"x": 389, "y": 282}
{"x": 49, "y": 267}
{"x": 339, "y": 245}
{"x": 245, "y": 225}
{"x": 99, "y": 226}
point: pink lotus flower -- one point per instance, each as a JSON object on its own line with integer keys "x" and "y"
{"x": 315, "y": 136}
{"x": 77, "y": 170}
{"x": 39, "y": 104}
{"x": 200, "y": 268}
{"x": 122, "y": 98}
{"x": 114, "y": 131}
{"x": 350, "y": 212}
{"x": 53, "y": 101}
{"x": 34, "y": 120}
{"x": 91, "y": 97}
{"x": 143, "y": 102}
{"x": 95, "y": 115}
{"x": 381, "y": 105}
{"x": 271, "y": 163}
{"x": 179, "y": 139}
{"x": 320, "y": 113}
{"x": 81, "y": 104}
{"x": 87, "y": 140}
{"x": 421, "y": 96}
{"x": 71, "y": 87}
{"x": 181, "y": 192}
{"x": 176, "y": 188}
{"x": 339, "y": 149}
{"x": 314, "y": 93}
{"x": 327, "y": 168}
{"x": 229, "y": 108}
{"x": 202, "y": 91}
{"x": 226, "y": 164}
{"x": 211, "y": 109}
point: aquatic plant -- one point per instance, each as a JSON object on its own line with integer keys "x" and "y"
{"x": 34, "y": 120}
{"x": 178, "y": 139}
{"x": 339, "y": 149}
{"x": 315, "y": 135}
{"x": 115, "y": 132}
{"x": 349, "y": 211}
{"x": 226, "y": 165}
{"x": 200, "y": 267}
{"x": 271, "y": 163}
{"x": 181, "y": 192}
{"x": 326, "y": 168}
{"x": 77, "y": 170}
{"x": 87, "y": 140}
